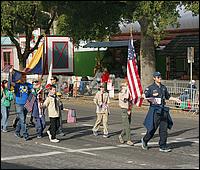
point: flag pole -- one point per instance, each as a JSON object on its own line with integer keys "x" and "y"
{"x": 131, "y": 32}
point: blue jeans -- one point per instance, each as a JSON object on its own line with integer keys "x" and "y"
{"x": 4, "y": 119}
{"x": 21, "y": 124}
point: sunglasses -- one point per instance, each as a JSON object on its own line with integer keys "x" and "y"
{"x": 159, "y": 77}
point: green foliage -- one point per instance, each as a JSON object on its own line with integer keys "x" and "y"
{"x": 158, "y": 14}
{"x": 192, "y": 6}
{"x": 23, "y": 17}
{"x": 90, "y": 20}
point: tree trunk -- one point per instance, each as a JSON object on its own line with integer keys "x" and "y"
{"x": 22, "y": 62}
{"x": 147, "y": 55}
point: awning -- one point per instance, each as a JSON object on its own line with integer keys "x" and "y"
{"x": 178, "y": 46}
{"x": 105, "y": 44}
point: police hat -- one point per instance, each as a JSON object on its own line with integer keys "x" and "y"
{"x": 156, "y": 74}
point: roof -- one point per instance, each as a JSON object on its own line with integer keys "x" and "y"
{"x": 6, "y": 41}
{"x": 106, "y": 44}
{"x": 178, "y": 45}
{"x": 186, "y": 21}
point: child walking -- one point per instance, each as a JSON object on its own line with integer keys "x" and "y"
{"x": 6, "y": 98}
{"x": 52, "y": 103}
{"x": 37, "y": 112}
{"x": 101, "y": 100}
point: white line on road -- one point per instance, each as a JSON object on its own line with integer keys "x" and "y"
{"x": 29, "y": 156}
{"x": 97, "y": 148}
{"x": 172, "y": 141}
{"x": 85, "y": 124}
{"x": 86, "y": 149}
{"x": 68, "y": 149}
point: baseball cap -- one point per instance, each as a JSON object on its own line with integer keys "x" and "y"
{"x": 156, "y": 74}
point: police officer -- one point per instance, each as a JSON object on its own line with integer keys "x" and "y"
{"x": 158, "y": 113}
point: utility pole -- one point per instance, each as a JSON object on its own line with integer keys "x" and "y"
{"x": 190, "y": 56}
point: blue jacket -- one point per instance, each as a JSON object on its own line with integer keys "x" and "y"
{"x": 149, "y": 120}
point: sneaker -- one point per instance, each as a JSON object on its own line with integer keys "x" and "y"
{"x": 105, "y": 136}
{"x": 4, "y": 131}
{"x": 17, "y": 135}
{"x": 95, "y": 133}
{"x": 165, "y": 150}
{"x": 39, "y": 137}
{"x": 130, "y": 143}
{"x": 55, "y": 140}
{"x": 48, "y": 132}
{"x": 144, "y": 145}
{"x": 121, "y": 139}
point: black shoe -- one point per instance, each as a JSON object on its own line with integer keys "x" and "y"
{"x": 144, "y": 145}
{"x": 32, "y": 124}
{"x": 165, "y": 149}
{"x": 14, "y": 123}
{"x": 26, "y": 138}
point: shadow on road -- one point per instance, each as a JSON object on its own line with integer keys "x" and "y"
{"x": 118, "y": 132}
{"x": 6, "y": 165}
{"x": 177, "y": 133}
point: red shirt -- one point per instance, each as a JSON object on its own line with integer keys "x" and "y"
{"x": 105, "y": 77}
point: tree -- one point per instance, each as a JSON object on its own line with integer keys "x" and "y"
{"x": 192, "y": 6}
{"x": 90, "y": 20}
{"x": 24, "y": 17}
{"x": 154, "y": 17}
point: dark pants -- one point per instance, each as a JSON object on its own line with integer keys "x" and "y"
{"x": 40, "y": 125}
{"x": 71, "y": 89}
{"x": 54, "y": 125}
{"x": 160, "y": 119}
{"x": 60, "y": 129}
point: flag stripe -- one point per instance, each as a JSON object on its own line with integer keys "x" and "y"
{"x": 132, "y": 89}
{"x": 134, "y": 84}
{"x": 29, "y": 103}
{"x": 139, "y": 86}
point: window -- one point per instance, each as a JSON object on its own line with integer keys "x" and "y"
{"x": 6, "y": 58}
{"x": 60, "y": 55}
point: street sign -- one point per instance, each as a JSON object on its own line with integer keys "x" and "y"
{"x": 190, "y": 54}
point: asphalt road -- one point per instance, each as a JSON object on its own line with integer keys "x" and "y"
{"x": 80, "y": 149}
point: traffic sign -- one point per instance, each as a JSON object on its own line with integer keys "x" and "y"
{"x": 190, "y": 54}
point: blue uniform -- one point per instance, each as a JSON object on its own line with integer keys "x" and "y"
{"x": 152, "y": 90}
{"x": 158, "y": 114}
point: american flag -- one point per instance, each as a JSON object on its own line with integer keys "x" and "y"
{"x": 29, "y": 103}
{"x": 134, "y": 84}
